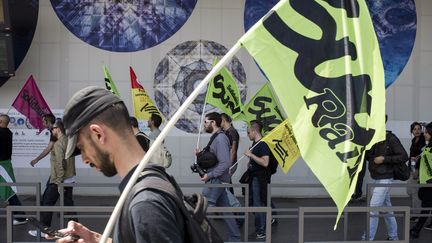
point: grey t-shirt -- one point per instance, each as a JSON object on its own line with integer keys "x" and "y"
{"x": 154, "y": 218}
{"x": 221, "y": 148}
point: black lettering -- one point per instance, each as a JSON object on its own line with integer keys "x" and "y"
{"x": 280, "y": 151}
{"x": 268, "y": 121}
{"x": 340, "y": 98}
{"x": 218, "y": 82}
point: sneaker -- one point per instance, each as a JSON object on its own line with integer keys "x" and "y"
{"x": 428, "y": 227}
{"x": 274, "y": 221}
{"x": 260, "y": 235}
{"x": 34, "y": 233}
{"x": 19, "y": 221}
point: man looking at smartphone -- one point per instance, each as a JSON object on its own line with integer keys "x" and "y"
{"x": 98, "y": 126}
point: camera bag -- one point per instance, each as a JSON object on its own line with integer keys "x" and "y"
{"x": 205, "y": 158}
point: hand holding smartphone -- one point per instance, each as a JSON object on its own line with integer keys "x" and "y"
{"x": 54, "y": 234}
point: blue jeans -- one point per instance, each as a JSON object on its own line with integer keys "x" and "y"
{"x": 381, "y": 198}
{"x": 255, "y": 200}
{"x": 217, "y": 196}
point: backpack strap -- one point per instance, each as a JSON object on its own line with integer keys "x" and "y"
{"x": 211, "y": 140}
{"x": 151, "y": 178}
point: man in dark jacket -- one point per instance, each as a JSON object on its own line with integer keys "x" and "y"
{"x": 382, "y": 157}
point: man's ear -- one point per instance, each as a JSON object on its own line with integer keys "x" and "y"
{"x": 98, "y": 133}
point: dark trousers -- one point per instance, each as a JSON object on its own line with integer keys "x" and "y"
{"x": 50, "y": 197}
{"x": 14, "y": 201}
{"x": 425, "y": 195}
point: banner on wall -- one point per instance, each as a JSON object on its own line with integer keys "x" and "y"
{"x": 28, "y": 142}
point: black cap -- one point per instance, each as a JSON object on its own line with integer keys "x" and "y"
{"x": 84, "y": 105}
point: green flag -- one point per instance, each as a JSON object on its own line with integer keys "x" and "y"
{"x": 223, "y": 93}
{"x": 109, "y": 84}
{"x": 324, "y": 63}
{"x": 6, "y": 175}
{"x": 425, "y": 171}
{"x": 262, "y": 107}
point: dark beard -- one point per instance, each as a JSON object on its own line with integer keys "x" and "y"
{"x": 106, "y": 165}
{"x": 209, "y": 129}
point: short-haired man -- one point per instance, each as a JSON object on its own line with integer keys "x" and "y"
{"x": 142, "y": 138}
{"x": 98, "y": 126}
{"x": 154, "y": 123}
{"x": 259, "y": 176}
{"x": 217, "y": 196}
{"x": 48, "y": 122}
{"x": 232, "y": 134}
{"x": 7, "y": 173}
{"x": 62, "y": 171}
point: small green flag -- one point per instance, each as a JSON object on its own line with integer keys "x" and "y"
{"x": 109, "y": 84}
{"x": 6, "y": 175}
{"x": 263, "y": 107}
{"x": 223, "y": 93}
{"x": 425, "y": 170}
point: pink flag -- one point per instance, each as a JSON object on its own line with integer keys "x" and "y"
{"x": 31, "y": 104}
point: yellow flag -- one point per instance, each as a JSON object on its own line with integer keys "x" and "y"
{"x": 324, "y": 63}
{"x": 143, "y": 105}
{"x": 283, "y": 145}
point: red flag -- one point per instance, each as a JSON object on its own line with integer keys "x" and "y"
{"x": 143, "y": 105}
{"x": 31, "y": 104}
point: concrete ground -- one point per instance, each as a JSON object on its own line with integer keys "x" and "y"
{"x": 286, "y": 230}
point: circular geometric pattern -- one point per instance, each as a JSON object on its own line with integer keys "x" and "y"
{"x": 395, "y": 24}
{"x": 123, "y": 26}
{"x": 23, "y": 16}
{"x": 180, "y": 72}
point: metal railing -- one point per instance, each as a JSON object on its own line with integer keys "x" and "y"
{"x": 36, "y": 185}
{"x": 246, "y": 209}
{"x": 303, "y": 210}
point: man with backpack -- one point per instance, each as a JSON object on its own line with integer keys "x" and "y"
{"x": 98, "y": 126}
{"x": 218, "y": 174}
{"x": 382, "y": 158}
{"x": 259, "y": 175}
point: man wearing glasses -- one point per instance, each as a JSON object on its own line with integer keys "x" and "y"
{"x": 217, "y": 196}
{"x": 62, "y": 171}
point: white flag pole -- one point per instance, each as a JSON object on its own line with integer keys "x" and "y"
{"x": 117, "y": 210}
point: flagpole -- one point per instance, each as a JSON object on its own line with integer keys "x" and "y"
{"x": 199, "y": 127}
{"x": 117, "y": 210}
{"x": 231, "y": 168}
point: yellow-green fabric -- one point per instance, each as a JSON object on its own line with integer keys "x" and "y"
{"x": 223, "y": 93}
{"x": 61, "y": 168}
{"x": 283, "y": 145}
{"x": 109, "y": 83}
{"x": 263, "y": 107}
{"x": 425, "y": 170}
{"x": 323, "y": 61}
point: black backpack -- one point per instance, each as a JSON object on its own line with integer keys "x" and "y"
{"x": 273, "y": 164}
{"x": 198, "y": 228}
{"x": 205, "y": 158}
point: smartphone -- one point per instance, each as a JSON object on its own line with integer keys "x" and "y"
{"x": 50, "y": 232}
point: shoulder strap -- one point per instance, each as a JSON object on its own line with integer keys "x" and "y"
{"x": 211, "y": 140}
{"x": 151, "y": 179}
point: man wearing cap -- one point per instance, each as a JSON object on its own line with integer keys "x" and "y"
{"x": 98, "y": 126}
